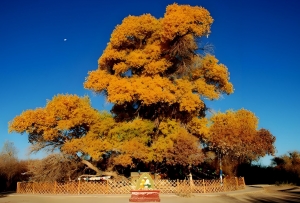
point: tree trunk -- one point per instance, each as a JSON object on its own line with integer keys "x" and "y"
{"x": 91, "y": 166}
{"x": 98, "y": 171}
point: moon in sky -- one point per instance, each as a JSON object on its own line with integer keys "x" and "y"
{"x": 65, "y": 39}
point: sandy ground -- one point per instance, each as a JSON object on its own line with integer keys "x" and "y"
{"x": 257, "y": 194}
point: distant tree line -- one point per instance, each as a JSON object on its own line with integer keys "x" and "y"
{"x": 11, "y": 168}
{"x": 284, "y": 169}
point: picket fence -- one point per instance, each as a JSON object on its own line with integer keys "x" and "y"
{"x": 125, "y": 186}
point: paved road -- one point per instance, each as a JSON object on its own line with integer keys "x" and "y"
{"x": 250, "y": 194}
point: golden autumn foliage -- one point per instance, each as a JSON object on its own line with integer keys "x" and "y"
{"x": 152, "y": 68}
{"x": 178, "y": 147}
{"x": 64, "y": 119}
{"x": 235, "y": 134}
{"x": 138, "y": 140}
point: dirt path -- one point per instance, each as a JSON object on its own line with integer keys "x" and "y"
{"x": 89, "y": 199}
{"x": 267, "y": 195}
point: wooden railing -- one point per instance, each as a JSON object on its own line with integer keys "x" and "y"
{"x": 124, "y": 186}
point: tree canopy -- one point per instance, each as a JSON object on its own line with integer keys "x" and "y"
{"x": 236, "y": 134}
{"x": 153, "y": 68}
{"x": 65, "y": 118}
{"x": 66, "y": 123}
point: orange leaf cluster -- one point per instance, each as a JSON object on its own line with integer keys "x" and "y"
{"x": 179, "y": 19}
{"x": 176, "y": 145}
{"x": 235, "y": 134}
{"x": 65, "y": 119}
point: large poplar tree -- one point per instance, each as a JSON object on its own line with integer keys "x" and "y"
{"x": 156, "y": 70}
{"x": 156, "y": 74}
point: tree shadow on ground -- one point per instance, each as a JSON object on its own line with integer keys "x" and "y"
{"x": 290, "y": 195}
{"x": 6, "y": 193}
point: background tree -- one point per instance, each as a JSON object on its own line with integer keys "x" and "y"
{"x": 284, "y": 169}
{"x": 10, "y": 167}
{"x": 288, "y": 167}
{"x": 235, "y": 137}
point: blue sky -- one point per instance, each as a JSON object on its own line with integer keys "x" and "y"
{"x": 258, "y": 40}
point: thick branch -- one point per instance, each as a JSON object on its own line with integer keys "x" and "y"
{"x": 98, "y": 171}
{"x": 91, "y": 166}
